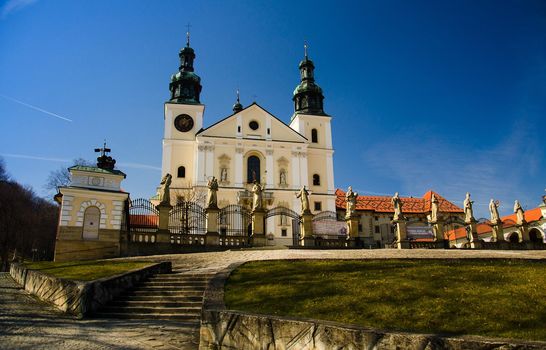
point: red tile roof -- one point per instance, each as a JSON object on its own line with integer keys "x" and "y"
{"x": 144, "y": 220}
{"x": 483, "y": 228}
{"x": 382, "y": 204}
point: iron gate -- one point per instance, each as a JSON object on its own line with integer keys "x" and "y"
{"x": 187, "y": 218}
{"x": 286, "y": 215}
{"x": 234, "y": 225}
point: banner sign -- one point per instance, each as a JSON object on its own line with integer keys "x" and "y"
{"x": 330, "y": 227}
{"x": 420, "y": 232}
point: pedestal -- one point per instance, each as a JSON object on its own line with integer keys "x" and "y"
{"x": 438, "y": 229}
{"x": 306, "y": 230}
{"x": 497, "y": 234}
{"x": 523, "y": 232}
{"x": 472, "y": 234}
{"x": 212, "y": 237}
{"x": 258, "y": 230}
{"x": 164, "y": 210}
{"x": 401, "y": 234}
{"x": 352, "y": 226}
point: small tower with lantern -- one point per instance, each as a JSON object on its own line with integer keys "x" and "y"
{"x": 92, "y": 217}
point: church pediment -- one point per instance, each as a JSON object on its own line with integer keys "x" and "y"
{"x": 253, "y": 122}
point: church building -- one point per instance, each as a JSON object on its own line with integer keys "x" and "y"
{"x": 249, "y": 145}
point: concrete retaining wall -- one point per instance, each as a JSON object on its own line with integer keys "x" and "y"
{"x": 76, "y": 297}
{"x": 221, "y": 329}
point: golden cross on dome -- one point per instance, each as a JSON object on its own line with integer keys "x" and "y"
{"x": 305, "y": 46}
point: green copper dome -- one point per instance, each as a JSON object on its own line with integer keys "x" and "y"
{"x": 185, "y": 85}
{"x": 307, "y": 96}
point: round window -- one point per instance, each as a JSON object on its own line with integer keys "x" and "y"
{"x": 254, "y": 125}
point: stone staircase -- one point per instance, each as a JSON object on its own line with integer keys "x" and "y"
{"x": 175, "y": 296}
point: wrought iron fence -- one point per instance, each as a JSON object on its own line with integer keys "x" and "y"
{"x": 187, "y": 218}
{"x": 234, "y": 220}
{"x": 143, "y": 216}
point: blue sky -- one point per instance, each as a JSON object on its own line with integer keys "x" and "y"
{"x": 443, "y": 95}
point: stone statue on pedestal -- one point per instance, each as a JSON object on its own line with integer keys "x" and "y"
{"x": 433, "y": 209}
{"x": 494, "y": 211}
{"x": 164, "y": 192}
{"x": 350, "y": 205}
{"x": 303, "y": 194}
{"x": 518, "y": 210}
{"x": 257, "y": 198}
{"x": 212, "y": 201}
{"x": 468, "y": 212}
{"x": 397, "y": 205}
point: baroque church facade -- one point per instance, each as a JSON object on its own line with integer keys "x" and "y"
{"x": 250, "y": 145}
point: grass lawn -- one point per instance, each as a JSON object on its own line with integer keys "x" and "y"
{"x": 497, "y": 298}
{"x": 85, "y": 270}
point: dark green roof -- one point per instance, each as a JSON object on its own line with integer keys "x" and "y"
{"x": 95, "y": 169}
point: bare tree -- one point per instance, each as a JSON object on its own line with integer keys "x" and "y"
{"x": 61, "y": 176}
{"x": 3, "y": 172}
{"x": 191, "y": 193}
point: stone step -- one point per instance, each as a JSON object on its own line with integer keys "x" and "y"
{"x": 153, "y": 310}
{"x": 157, "y": 303}
{"x": 169, "y": 289}
{"x": 173, "y": 284}
{"x": 191, "y": 319}
{"x": 179, "y": 278}
{"x": 151, "y": 293}
{"x": 162, "y": 298}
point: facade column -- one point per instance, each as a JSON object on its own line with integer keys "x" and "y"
{"x": 269, "y": 169}
{"x": 209, "y": 162}
{"x": 200, "y": 166}
{"x": 303, "y": 169}
{"x": 295, "y": 165}
{"x": 239, "y": 167}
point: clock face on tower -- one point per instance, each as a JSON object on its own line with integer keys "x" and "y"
{"x": 183, "y": 123}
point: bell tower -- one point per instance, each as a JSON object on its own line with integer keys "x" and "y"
{"x": 310, "y": 120}
{"x": 183, "y": 119}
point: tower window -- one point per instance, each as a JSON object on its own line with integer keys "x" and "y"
{"x": 239, "y": 128}
{"x": 318, "y": 206}
{"x": 254, "y": 125}
{"x": 314, "y": 136}
{"x": 253, "y": 169}
{"x": 181, "y": 171}
{"x": 316, "y": 180}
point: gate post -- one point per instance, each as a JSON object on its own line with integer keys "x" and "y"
{"x": 258, "y": 230}
{"x": 163, "y": 234}
{"x": 307, "y": 239}
{"x": 401, "y": 234}
{"x": 438, "y": 229}
{"x": 497, "y": 232}
{"x": 472, "y": 234}
{"x": 212, "y": 235}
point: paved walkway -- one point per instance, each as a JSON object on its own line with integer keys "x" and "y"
{"x": 27, "y": 323}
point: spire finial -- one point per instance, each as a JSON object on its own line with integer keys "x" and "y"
{"x": 305, "y": 46}
{"x": 238, "y": 100}
{"x": 188, "y": 26}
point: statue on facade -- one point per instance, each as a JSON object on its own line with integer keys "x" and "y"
{"x": 164, "y": 192}
{"x": 518, "y": 210}
{"x": 282, "y": 177}
{"x": 468, "y": 212}
{"x": 397, "y": 205}
{"x": 433, "y": 209}
{"x": 350, "y": 205}
{"x": 303, "y": 195}
{"x": 494, "y": 211}
{"x": 257, "y": 196}
{"x": 223, "y": 175}
{"x": 212, "y": 201}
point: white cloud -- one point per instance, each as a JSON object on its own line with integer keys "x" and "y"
{"x": 14, "y": 5}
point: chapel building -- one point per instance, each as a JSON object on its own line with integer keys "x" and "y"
{"x": 250, "y": 145}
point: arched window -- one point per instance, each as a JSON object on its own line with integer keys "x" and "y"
{"x": 181, "y": 171}
{"x": 314, "y": 136}
{"x": 316, "y": 180}
{"x": 91, "y": 223}
{"x": 253, "y": 169}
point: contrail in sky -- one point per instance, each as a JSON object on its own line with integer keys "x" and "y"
{"x": 36, "y": 108}
{"x": 24, "y": 156}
